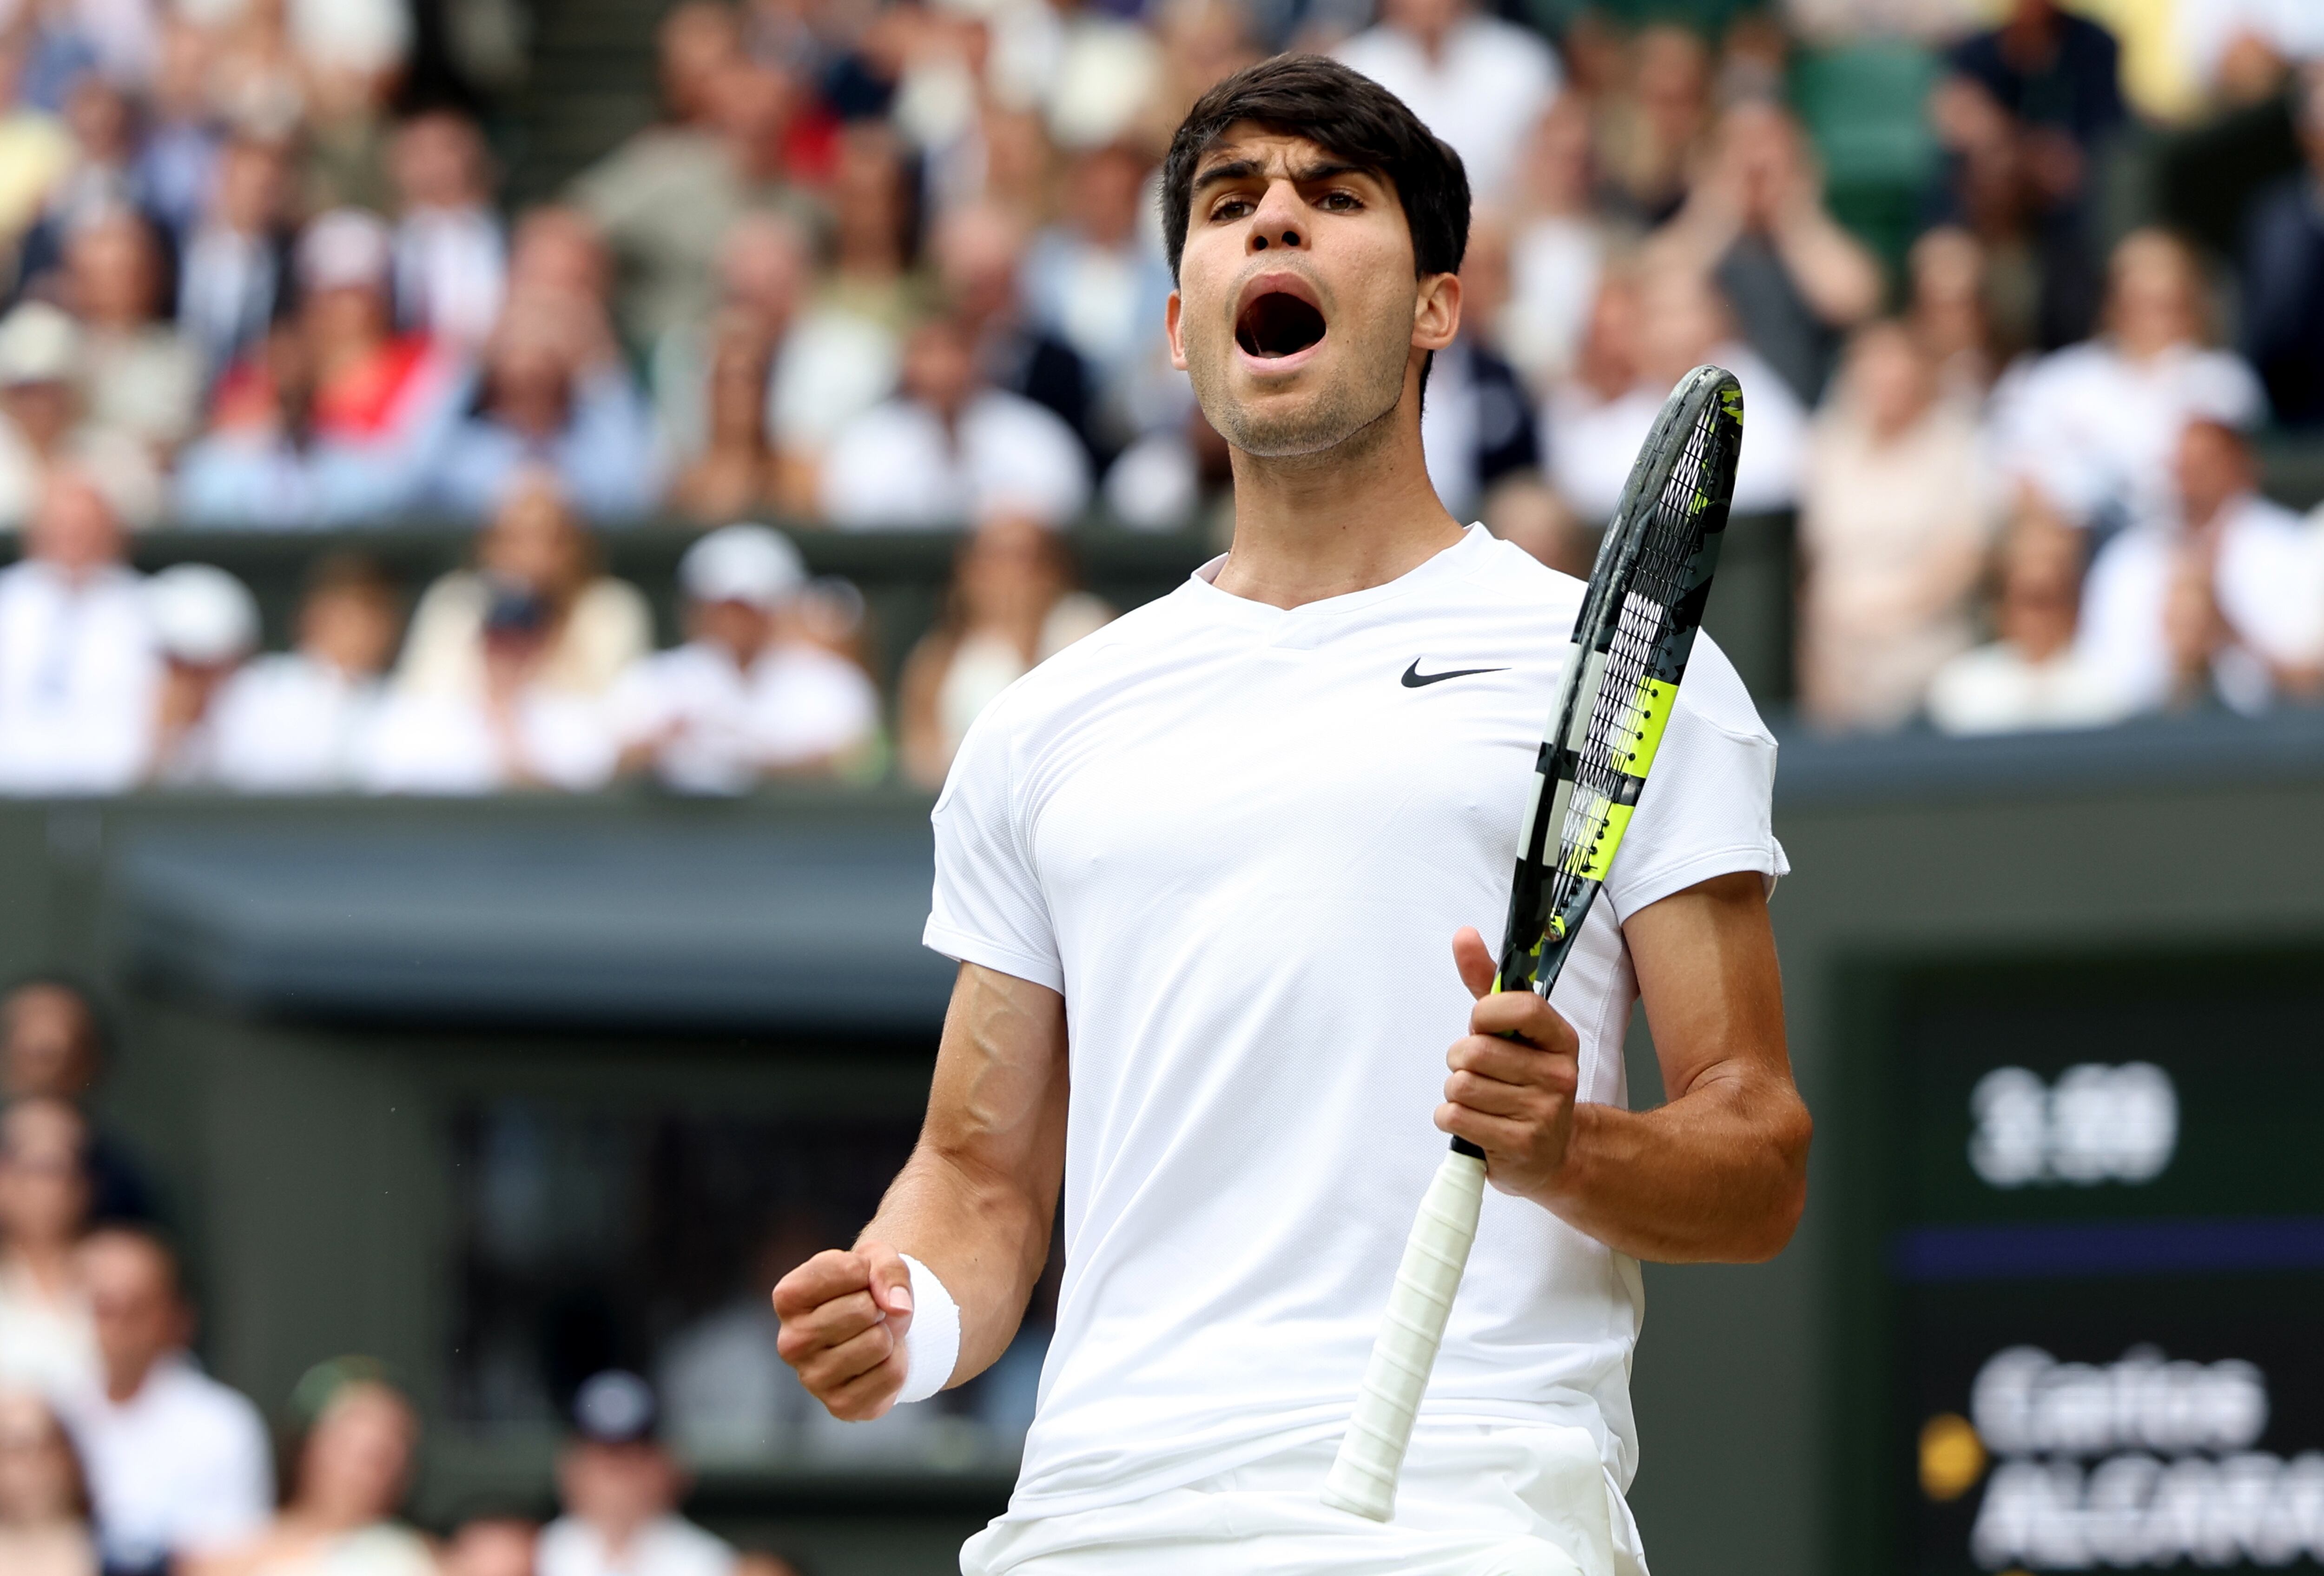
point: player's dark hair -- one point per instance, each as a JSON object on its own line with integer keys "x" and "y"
{"x": 1350, "y": 116}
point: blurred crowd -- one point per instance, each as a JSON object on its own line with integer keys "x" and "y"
{"x": 120, "y": 1455}
{"x": 899, "y": 265}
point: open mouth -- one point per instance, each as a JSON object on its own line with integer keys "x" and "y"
{"x": 1277, "y": 324}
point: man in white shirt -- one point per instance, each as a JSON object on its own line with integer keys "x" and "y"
{"x": 451, "y": 259}
{"x": 738, "y": 701}
{"x": 1476, "y": 81}
{"x": 620, "y": 1487}
{"x": 78, "y": 666}
{"x": 1198, "y": 869}
{"x": 178, "y": 1464}
{"x": 301, "y": 721}
{"x": 205, "y": 622}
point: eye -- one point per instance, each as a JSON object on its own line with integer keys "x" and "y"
{"x": 1230, "y": 208}
{"x": 1341, "y": 201}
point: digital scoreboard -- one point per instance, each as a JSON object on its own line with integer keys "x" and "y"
{"x": 2093, "y": 1240}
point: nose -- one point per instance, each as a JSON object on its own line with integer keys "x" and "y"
{"x": 1276, "y": 223}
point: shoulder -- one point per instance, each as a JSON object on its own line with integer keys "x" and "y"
{"x": 1065, "y": 687}
{"x": 203, "y": 1402}
{"x": 1504, "y": 572}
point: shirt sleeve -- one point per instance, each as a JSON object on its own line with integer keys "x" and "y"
{"x": 989, "y": 909}
{"x": 1708, "y": 807}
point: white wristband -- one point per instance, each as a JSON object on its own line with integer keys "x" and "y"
{"x": 932, "y": 1344}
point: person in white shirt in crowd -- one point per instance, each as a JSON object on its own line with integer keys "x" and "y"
{"x": 494, "y": 1544}
{"x": 301, "y": 721}
{"x": 506, "y": 666}
{"x": 741, "y": 699}
{"x": 78, "y": 667}
{"x": 206, "y": 623}
{"x": 451, "y": 257}
{"x": 2094, "y": 425}
{"x": 1095, "y": 281}
{"x": 178, "y": 1464}
{"x": 44, "y": 424}
{"x": 1475, "y": 80}
{"x": 233, "y": 270}
{"x": 1559, "y": 244}
{"x": 354, "y": 1468}
{"x": 2034, "y": 674}
{"x": 1478, "y": 428}
{"x": 1012, "y": 606}
{"x": 950, "y": 448}
{"x": 620, "y": 1487}
{"x": 1895, "y": 512}
{"x": 143, "y": 375}
{"x": 43, "y": 1525}
{"x": 1648, "y": 329}
{"x": 48, "y": 1343}
{"x": 2262, "y": 565}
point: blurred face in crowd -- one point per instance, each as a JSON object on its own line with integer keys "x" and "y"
{"x": 438, "y": 161}
{"x": 2212, "y": 469}
{"x": 40, "y": 1483}
{"x": 1298, "y": 316}
{"x": 1890, "y": 378}
{"x": 867, "y": 199}
{"x": 357, "y": 1459}
{"x": 1673, "y": 82}
{"x": 99, "y": 119}
{"x": 134, "y": 1296}
{"x": 978, "y": 250}
{"x": 345, "y": 322}
{"x": 499, "y": 1545}
{"x": 351, "y": 626}
{"x": 1681, "y": 321}
{"x": 112, "y": 272}
{"x": 2041, "y": 587}
{"x": 535, "y": 542}
{"x": 248, "y": 192}
{"x": 50, "y": 1046}
{"x": 764, "y": 268}
{"x": 1556, "y": 171}
{"x": 43, "y": 409}
{"x": 741, "y": 629}
{"x": 695, "y": 40}
{"x": 1102, "y": 192}
{"x": 1010, "y": 575}
{"x": 939, "y": 370}
{"x": 74, "y": 528}
{"x": 751, "y": 105}
{"x": 558, "y": 253}
{"x": 1427, "y": 20}
{"x": 2152, "y": 298}
{"x": 529, "y": 367}
{"x": 1760, "y": 154}
{"x": 43, "y": 1182}
{"x": 618, "y": 1488}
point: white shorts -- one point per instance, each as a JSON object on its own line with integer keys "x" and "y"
{"x": 1476, "y": 1499}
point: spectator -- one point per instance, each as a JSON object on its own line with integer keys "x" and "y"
{"x": 726, "y": 1394}
{"x": 1654, "y": 130}
{"x": 143, "y": 377}
{"x": 1477, "y": 82}
{"x": 2035, "y": 676}
{"x": 178, "y": 1464}
{"x": 1756, "y": 222}
{"x": 1529, "y": 512}
{"x": 1012, "y": 606}
{"x": 980, "y": 251}
{"x": 451, "y": 259}
{"x": 206, "y": 623}
{"x": 2230, "y": 583}
{"x": 78, "y": 669}
{"x": 301, "y": 721}
{"x": 621, "y": 1489}
{"x": 2093, "y": 426}
{"x": 2283, "y": 274}
{"x": 1096, "y": 281}
{"x": 1559, "y": 244}
{"x": 43, "y": 421}
{"x": 35, "y": 149}
{"x": 52, "y": 1047}
{"x": 743, "y": 698}
{"x": 48, "y": 1343}
{"x": 102, "y": 178}
{"x": 555, "y": 394}
{"x": 756, "y": 393}
{"x": 495, "y": 1544}
{"x": 235, "y": 279}
{"x": 1950, "y": 315}
{"x": 1894, "y": 520}
{"x": 1477, "y": 426}
{"x": 2238, "y": 50}
{"x": 178, "y": 154}
{"x": 43, "y": 1507}
{"x": 354, "y": 1468}
{"x": 875, "y": 230}
{"x": 1174, "y": 480}
{"x": 1645, "y": 333}
{"x": 951, "y": 448}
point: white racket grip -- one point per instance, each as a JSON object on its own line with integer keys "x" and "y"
{"x": 1363, "y": 1478}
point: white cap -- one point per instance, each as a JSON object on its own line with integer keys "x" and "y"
{"x": 742, "y": 563}
{"x": 345, "y": 249}
{"x": 39, "y": 344}
{"x": 202, "y": 615}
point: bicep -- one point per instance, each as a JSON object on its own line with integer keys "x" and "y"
{"x": 997, "y": 1105}
{"x": 1705, "y": 959}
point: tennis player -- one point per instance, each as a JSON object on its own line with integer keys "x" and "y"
{"x": 1199, "y": 871}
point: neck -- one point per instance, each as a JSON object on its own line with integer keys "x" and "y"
{"x": 1350, "y": 517}
{"x": 122, "y": 1385}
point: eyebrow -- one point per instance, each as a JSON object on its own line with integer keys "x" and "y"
{"x": 1306, "y": 175}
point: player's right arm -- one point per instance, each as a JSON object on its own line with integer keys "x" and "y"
{"x": 974, "y": 1204}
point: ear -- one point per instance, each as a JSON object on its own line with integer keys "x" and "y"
{"x": 1437, "y": 311}
{"x": 1173, "y": 312}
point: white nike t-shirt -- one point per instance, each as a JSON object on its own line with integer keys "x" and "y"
{"x": 1239, "y": 839}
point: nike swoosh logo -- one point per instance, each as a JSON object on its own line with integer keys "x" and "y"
{"x": 1413, "y": 677}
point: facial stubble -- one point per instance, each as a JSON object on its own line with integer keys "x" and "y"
{"x": 1343, "y": 415}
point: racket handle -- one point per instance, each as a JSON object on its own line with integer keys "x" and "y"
{"x": 1363, "y": 1478}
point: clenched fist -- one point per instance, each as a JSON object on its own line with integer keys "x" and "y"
{"x": 845, "y": 1316}
{"x": 1511, "y": 1088}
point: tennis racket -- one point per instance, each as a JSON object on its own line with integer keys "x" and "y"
{"x": 1631, "y": 642}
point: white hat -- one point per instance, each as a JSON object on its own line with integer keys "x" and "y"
{"x": 202, "y": 615}
{"x": 39, "y": 344}
{"x": 742, "y": 563}
{"x": 347, "y": 248}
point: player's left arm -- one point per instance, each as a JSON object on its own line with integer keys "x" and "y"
{"x": 1717, "y": 1173}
